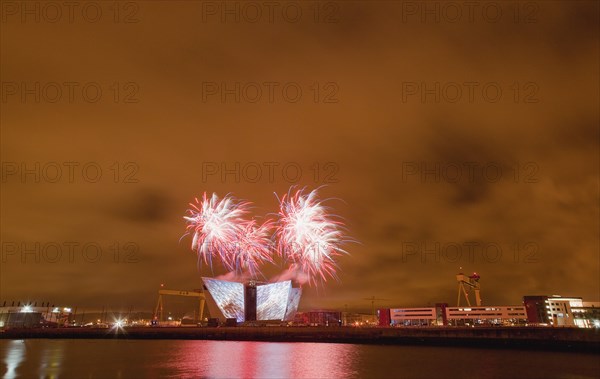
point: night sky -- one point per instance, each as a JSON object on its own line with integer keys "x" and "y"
{"x": 444, "y": 139}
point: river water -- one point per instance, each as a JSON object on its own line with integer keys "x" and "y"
{"x": 49, "y": 358}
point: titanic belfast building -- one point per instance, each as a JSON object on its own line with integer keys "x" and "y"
{"x": 251, "y": 301}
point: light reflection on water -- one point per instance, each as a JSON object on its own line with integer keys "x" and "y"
{"x": 18, "y": 353}
{"x": 231, "y": 359}
{"x": 50, "y": 360}
{"x": 225, "y": 359}
{"x": 15, "y": 354}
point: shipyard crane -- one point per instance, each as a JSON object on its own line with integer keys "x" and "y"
{"x": 466, "y": 283}
{"x": 158, "y": 313}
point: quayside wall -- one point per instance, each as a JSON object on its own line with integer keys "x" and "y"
{"x": 567, "y": 339}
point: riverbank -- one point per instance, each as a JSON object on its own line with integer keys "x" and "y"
{"x": 562, "y": 339}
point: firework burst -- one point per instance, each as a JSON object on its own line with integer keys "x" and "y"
{"x": 216, "y": 225}
{"x": 254, "y": 248}
{"x": 307, "y": 236}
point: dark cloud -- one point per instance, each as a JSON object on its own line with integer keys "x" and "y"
{"x": 144, "y": 205}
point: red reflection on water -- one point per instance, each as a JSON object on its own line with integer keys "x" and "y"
{"x": 226, "y": 359}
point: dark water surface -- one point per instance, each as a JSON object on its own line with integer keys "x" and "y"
{"x": 49, "y": 358}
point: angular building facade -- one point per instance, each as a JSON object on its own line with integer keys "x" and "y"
{"x": 251, "y": 302}
{"x": 225, "y": 299}
{"x": 272, "y": 300}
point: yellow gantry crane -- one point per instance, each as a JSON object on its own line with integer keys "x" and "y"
{"x": 465, "y": 283}
{"x": 158, "y": 313}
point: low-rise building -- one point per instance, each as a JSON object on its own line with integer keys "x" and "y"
{"x": 319, "y": 318}
{"x": 558, "y": 311}
{"x": 412, "y": 316}
{"x": 441, "y": 314}
{"x": 31, "y": 315}
{"x": 487, "y": 315}
{"x": 587, "y": 315}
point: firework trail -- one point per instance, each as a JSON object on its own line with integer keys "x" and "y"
{"x": 308, "y": 236}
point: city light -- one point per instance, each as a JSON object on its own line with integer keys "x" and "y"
{"x": 119, "y": 324}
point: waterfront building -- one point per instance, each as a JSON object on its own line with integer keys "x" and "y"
{"x": 253, "y": 301}
{"x": 441, "y": 315}
{"x": 555, "y": 310}
{"x": 31, "y": 315}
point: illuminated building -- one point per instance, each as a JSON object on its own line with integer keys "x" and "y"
{"x": 587, "y": 315}
{"x": 556, "y": 310}
{"x": 412, "y": 316}
{"x": 225, "y": 300}
{"x": 28, "y": 315}
{"x": 293, "y": 302}
{"x": 493, "y": 315}
{"x": 319, "y": 318}
{"x": 441, "y": 314}
{"x": 252, "y": 301}
{"x": 384, "y": 317}
{"x": 361, "y": 319}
